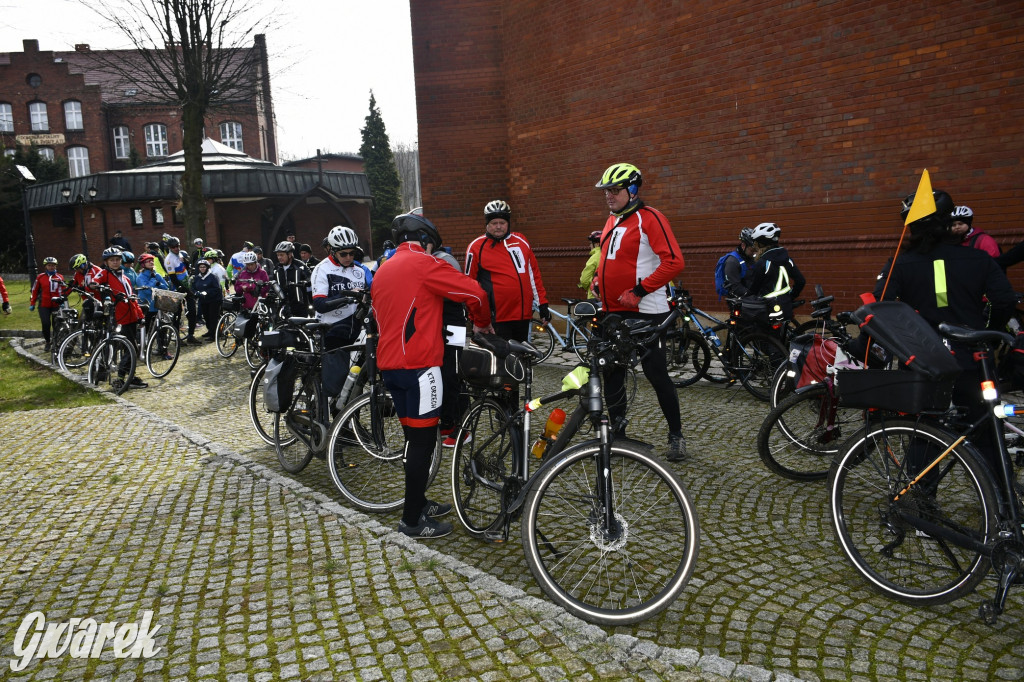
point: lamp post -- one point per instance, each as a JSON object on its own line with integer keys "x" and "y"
{"x": 81, "y": 201}
{"x": 26, "y": 178}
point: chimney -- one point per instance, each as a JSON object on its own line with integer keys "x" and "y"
{"x": 30, "y": 45}
{"x": 81, "y": 47}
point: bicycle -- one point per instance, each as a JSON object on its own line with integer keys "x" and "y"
{"x": 264, "y": 316}
{"x": 543, "y": 336}
{"x": 162, "y": 343}
{"x": 77, "y": 347}
{"x": 225, "y": 335}
{"x": 914, "y": 505}
{"x": 113, "y": 360}
{"x": 65, "y": 322}
{"x": 609, "y": 530}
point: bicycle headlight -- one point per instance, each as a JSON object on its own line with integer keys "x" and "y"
{"x": 117, "y": 329}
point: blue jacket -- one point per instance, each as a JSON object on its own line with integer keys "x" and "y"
{"x": 149, "y": 278}
{"x": 209, "y": 284}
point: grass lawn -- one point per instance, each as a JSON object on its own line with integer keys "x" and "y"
{"x": 28, "y": 386}
{"x": 20, "y": 317}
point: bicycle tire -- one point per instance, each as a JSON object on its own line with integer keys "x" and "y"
{"x": 866, "y": 505}
{"x": 368, "y": 468}
{"x": 262, "y": 419}
{"x": 60, "y": 332}
{"x": 783, "y": 384}
{"x": 688, "y": 357}
{"x": 162, "y": 350}
{"x": 802, "y": 435}
{"x": 579, "y": 337}
{"x": 756, "y": 360}
{"x": 542, "y": 337}
{"x": 113, "y": 362}
{"x": 482, "y": 467}
{"x": 617, "y": 581}
{"x": 254, "y": 357}
{"x": 300, "y": 422}
{"x": 227, "y": 344}
{"x": 76, "y": 351}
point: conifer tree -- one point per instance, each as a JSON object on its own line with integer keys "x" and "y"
{"x": 379, "y": 166}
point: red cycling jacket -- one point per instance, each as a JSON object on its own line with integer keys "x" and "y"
{"x": 508, "y": 272}
{"x": 46, "y": 288}
{"x": 638, "y": 248}
{"x": 125, "y": 311}
{"x": 408, "y": 291}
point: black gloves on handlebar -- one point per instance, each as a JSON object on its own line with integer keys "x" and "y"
{"x": 544, "y": 313}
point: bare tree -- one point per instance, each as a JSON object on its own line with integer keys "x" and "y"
{"x": 194, "y": 54}
{"x": 407, "y": 162}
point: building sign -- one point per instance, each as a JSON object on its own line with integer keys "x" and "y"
{"x": 40, "y": 140}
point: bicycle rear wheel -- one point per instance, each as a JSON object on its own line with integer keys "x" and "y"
{"x": 619, "y": 575}
{"x": 298, "y": 432}
{"x": 799, "y": 438}
{"x": 579, "y": 337}
{"x": 875, "y": 524}
{"x": 688, "y": 357}
{"x": 113, "y": 363}
{"x": 254, "y": 356}
{"x": 756, "y": 357}
{"x": 366, "y": 454}
{"x": 262, "y": 418}
{"x": 162, "y": 350}
{"x": 542, "y": 337}
{"x": 482, "y": 466}
{"x": 227, "y": 344}
{"x": 76, "y": 350}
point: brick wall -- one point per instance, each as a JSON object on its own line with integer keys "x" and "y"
{"x": 818, "y": 116}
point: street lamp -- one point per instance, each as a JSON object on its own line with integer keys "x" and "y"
{"x": 81, "y": 201}
{"x": 26, "y": 178}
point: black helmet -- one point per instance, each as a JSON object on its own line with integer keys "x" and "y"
{"x": 172, "y": 242}
{"x": 941, "y": 219}
{"x": 409, "y": 227}
{"x": 388, "y": 244}
{"x": 747, "y": 236}
{"x": 595, "y": 236}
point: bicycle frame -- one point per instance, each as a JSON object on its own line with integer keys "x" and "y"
{"x": 570, "y": 323}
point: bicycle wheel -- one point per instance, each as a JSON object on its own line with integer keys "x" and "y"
{"x": 482, "y": 466}
{"x": 227, "y": 344}
{"x": 254, "y": 356}
{"x": 579, "y": 337}
{"x": 783, "y": 384}
{"x": 873, "y": 519}
{"x": 367, "y": 458}
{"x": 61, "y": 331}
{"x": 262, "y": 418}
{"x": 113, "y": 363}
{"x": 688, "y": 357}
{"x": 756, "y": 357}
{"x": 76, "y": 351}
{"x": 298, "y": 432}
{"x": 800, "y": 437}
{"x": 610, "y": 576}
{"x": 542, "y": 337}
{"x": 162, "y": 350}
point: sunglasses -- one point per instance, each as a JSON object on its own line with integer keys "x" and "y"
{"x": 345, "y": 254}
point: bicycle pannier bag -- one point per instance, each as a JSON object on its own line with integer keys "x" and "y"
{"x": 334, "y": 370}
{"x": 754, "y": 309}
{"x": 481, "y": 367}
{"x": 244, "y": 326}
{"x": 278, "y": 384}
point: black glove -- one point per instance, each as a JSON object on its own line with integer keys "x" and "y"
{"x": 639, "y": 291}
{"x": 544, "y": 313}
{"x": 7, "y": 307}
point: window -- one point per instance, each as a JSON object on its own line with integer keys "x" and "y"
{"x": 9, "y": 153}
{"x": 78, "y": 161}
{"x": 231, "y": 134}
{"x": 122, "y": 148}
{"x": 156, "y": 139}
{"x": 136, "y": 216}
{"x": 37, "y": 116}
{"x": 6, "y": 118}
{"x": 73, "y": 115}
{"x": 47, "y": 153}
{"x": 158, "y": 216}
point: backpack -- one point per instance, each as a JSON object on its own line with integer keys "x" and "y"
{"x": 720, "y": 272}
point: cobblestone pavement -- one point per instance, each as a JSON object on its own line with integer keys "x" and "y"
{"x": 267, "y": 576}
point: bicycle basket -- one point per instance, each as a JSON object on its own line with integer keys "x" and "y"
{"x": 167, "y": 301}
{"x": 896, "y": 390}
{"x": 480, "y": 366}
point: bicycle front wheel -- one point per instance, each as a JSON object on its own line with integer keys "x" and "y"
{"x": 298, "y": 432}
{"x": 799, "y": 438}
{"x": 879, "y": 527}
{"x": 113, "y": 363}
{"x": 262, "y": 418}
{"x": 366, "y": 454}
{"x": 610, "y": 575}
{"x": 757, "y": 356}
{"x": 482, "y": 466}
{"x": 227, "y": 344}
{"x": 688, "y": 357}
{"x": 162, "y": 350}
{"x": 579, "y": 337}
{"x": 254, "y": 357}
{"x": 76, "y": 351}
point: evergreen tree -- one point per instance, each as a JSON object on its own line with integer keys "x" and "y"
{"x": 12, "y": 225}
{"x": 379, "y": 166}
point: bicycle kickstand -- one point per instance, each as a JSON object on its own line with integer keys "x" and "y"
{"x": 1010, "y": 561}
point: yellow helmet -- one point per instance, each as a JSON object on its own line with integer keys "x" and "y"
{"x": 621, "y": 175}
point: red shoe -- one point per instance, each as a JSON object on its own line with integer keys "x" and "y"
{"x": 449, "y": 442}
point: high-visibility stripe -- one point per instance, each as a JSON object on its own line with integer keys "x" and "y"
{"x": 941, "y": 297}
{"x": 781, "y": 284}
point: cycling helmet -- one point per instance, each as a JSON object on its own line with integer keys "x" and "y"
{"x": 49, "y": 260}
{"x": 257, "y": 250}
{"x": 768, "y": 232}
{"x": 212, "y": 253}
{"x": 341, "y": 237}
{"x": 747, "y": 236}
{"x": 112, "y": 251}
{"x": 595, "y": 236}
{"x": 152, "y": 245}
{"x": 247, "y": 245}
{"x": 963, "y": 214}
{"x": 220, "y": 254}
{"x": 146, "y": 258}
{"x": 284, "y": 247}
{"x": 388, "y": 244}
{"x": 497, "y": 209}
{"x": 248, "y": 257}
{"x": 942, "y": 218}
{"x": 77, "y": 261}
{"x": 128, "y": 257}
{"x": 203, "y": 262}
{"x": 173, "y": 242}
{"x": 621, "y": 176}
{"x": 408, "y": 227}
{"x": 197, "y": 241}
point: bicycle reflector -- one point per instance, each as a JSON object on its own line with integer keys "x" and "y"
{"x": 988, "y": 390}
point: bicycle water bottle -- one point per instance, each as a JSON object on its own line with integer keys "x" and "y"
{"x": 350, "y": 381}
{"x": 551, "y": 429}
{"x": 715, "y": 340}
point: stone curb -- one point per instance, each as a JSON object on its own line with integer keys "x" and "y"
{"x": 576, "y": 631}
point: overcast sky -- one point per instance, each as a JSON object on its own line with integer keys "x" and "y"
{"x": 325, "y": 57}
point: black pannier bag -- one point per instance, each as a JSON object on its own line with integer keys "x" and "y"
{"x": 279, "y": 383}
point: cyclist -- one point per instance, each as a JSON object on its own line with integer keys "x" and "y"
{"x": 963, "y": 228}
{"x": 120, "y": 242}
{"x": 5, "y": 297}
{"x": 307, "y": 257}
{"x": 504, "y": 265}
{"x": 128, "y": 260}
{"x": 150, "y": 279}
{"x": 48, "y": 286}
{"x": 775, "y": 276}
{"x": 265, "y": 263}
{"x": 237, "y": 264}
{"x": 590, "y": 269}
{"x": 738, "y": 266}
{"x": 176, "y": 264}
{"x": 333, "y": 280}
{"x": 127, "y": 312}
{"x": 407, "y": 301}
{"x": 252, "y": 281}
{"x": 639, "y": 257}
{"x": 208, "y": 292}
{"x": 153, "y": 249}
{"x": 198, "y": 252}
{"x": 213, "y": 256}
{"x": 289, "y": 273}
{"x": 83, "y": 274}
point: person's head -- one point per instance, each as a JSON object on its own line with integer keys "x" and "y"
{"x": 962, "y": 218}
{"x": 415, "y": 228}
{"x": 247, "y": 246}
{"x": 50, "y": 264}
{"x": 147, "y": 261}
{"x": 128, "y": 258}
{"x": 621, "y": 184}
{"x": 934, "y": 226}
{"x": 198, "y": 243}
{"x": 765, "y": 236}
{"x": 173, "y": 244}
{"x": 388, "y": 245}
{"x": 258, "y": 251}
{"x": 290, "y": 237}
{"x": 79, "y": 262}
{"x": 746, "y": 246}
{"x": 250, "y": 261}
{"x": 305, "y": 251}
{"x": 152, "y": 247}
{"x": 594, "y": 238}
{"x": 112, "y": 258}
{"x": 497, "y": 217}
{"x": 118, "y": 233}
{"x": 203, "y": 265}
{"x": 211, "y": 256}
{"x": 285, "y": 252}
{"x": 344, "y": 245}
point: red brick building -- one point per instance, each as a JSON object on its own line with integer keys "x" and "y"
{"x": 818, "y": 116}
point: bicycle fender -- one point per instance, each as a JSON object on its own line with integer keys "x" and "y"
{"x": 622, "y": 443}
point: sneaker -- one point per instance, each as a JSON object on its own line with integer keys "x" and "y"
{"x": 46, "y": 346}
{"x": 436, "y": 509}
{"x": 449, "y": 442}
{"x": 138, "y": 383}
{"x": 427, "y": 528}
{"x": 193, "y": 341}
{"x": 676, "y": 448}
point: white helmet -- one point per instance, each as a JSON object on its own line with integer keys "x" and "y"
{"x": 963, "y": 214}
{"x": 247, "y": 257}
{"x": 766, "y": 231}
{"x": 498, "y": 209}
{"x": 341, "y": 237}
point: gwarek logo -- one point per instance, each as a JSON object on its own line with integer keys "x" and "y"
{"x": 81, "y": 638}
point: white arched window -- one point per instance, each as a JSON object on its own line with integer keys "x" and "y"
{"x": 73, "y": 115}
{"x": 78, "y": 161}
{"x": 231, "y": 135}
{"x": 156, "y": 139}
